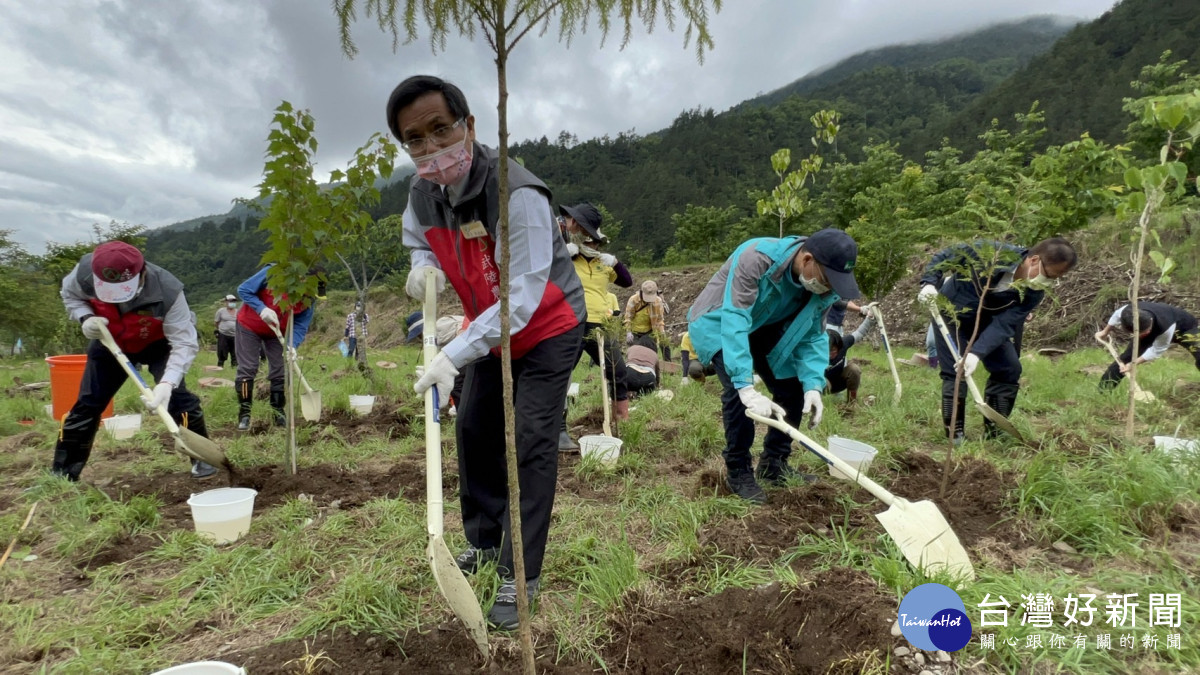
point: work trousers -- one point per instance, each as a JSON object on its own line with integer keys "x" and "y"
{"x": 614, "y": 364}
{"x": 248, "y": 346}
{"x": 1189, "y": 341}
{"x": 787, "y": 392}
{"x": 226, "y": 349}
{"x": 102, "y": 378}
{"x": 540, "y": 381}
{"x": 1003, "y": 364}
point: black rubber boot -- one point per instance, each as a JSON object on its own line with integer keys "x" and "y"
{"x": 277, "y": 401}
{"x": 74, "y": 447}
{"x": 565, "y": 444}
{"x": 1002, "y": 398}
{"x": 245, "y": 396}
{"x": 948, "y": 405}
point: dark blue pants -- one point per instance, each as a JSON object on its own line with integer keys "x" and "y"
{"x": 540, "y": 381}
{"x": 102, "y": 378}
{"x": 787, "y": 392}
{"x": 1003, "y": 364}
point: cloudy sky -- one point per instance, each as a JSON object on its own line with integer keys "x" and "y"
{"x": 156, "y": 112}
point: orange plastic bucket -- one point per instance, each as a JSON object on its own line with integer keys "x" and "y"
{"x": 66, "y": 374}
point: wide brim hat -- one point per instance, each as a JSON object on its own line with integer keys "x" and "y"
{"x": 588, "y": 217}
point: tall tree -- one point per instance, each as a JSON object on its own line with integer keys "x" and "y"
{"x": 504, "y": 24}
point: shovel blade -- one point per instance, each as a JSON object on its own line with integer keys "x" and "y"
{"x": 926, "y": 539}
{"x": 310, "y": 405}
{"x": 457, "y": 591}
{"x": 1000, "y": 421}
{"x": 198, "y": 447}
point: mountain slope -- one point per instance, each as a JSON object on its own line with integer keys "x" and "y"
{"x": 1081, "y": 80}
{"x": 1006, "y": 46}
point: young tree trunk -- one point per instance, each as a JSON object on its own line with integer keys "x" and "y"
{"x": 1134, "y": 290}
{"x": 289, "y": 388}
{"x": 510, "y": 434}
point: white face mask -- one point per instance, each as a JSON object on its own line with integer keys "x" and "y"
{"x": 813, "y": 286}
{"x": 231, "y": 305}
{"x": 1041, "y": 282}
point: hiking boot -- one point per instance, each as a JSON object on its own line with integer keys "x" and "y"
{"x": 778, "y": 473}
{"x": 202, "y": 470}
{"x": 503, "y": 614}
{"x": 243, "y": 423}
{"x": 565, "y": 444}
{"x": 470, "y": 560}
{"x": 741, "y": 483}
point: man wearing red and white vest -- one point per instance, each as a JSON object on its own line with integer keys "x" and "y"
{"x": 143, "y": 307}
{"x": 451, "y": 226}
{"x": 259, "y": 313}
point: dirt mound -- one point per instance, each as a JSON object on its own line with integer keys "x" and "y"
{"x": 775, "y": 527}
{"x": 976, "y": 501}
{"x": 841, "y": 615}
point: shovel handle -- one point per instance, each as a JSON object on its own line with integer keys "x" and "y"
{"x": 433, "y": 429}
{"x": 812, "y": 446}
{"x": 1137, "y": 389}
{"x": 888, "y": 348}
{"x": 291, "y": 361}
{"x": 107, "y": 339}
{"x": 941, "y": 324}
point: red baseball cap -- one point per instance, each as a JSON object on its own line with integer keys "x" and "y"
{"x": 116, "y": 271}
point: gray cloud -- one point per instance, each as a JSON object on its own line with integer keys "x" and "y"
{"x": 157, "y": 112}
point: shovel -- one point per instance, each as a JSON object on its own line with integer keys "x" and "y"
{"x": 1139, "y": 394}
{"x": 987, "y": 410}
{"x": 449, "y": 577}
{"x": 918, "y": 528}
{"x": 888, "y": 348}
{"x": 604, "y": 383}
{"x": 310, "y": 401}
{"x": 187, "y": 441}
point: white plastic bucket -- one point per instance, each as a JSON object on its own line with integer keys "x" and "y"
{"x": 222, "y": 515}
{"x": 1176, "y": 446}
{"x": 854, "y": 453}
{"x": 50, "y": 410}
{"x": 362, "y": 404}
{"x": 604, "y": 448}
{"x": 122, "y": 427}
{"x": 203, "y": 668}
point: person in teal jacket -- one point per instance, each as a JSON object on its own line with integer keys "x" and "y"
{"x": 762, "y": 313}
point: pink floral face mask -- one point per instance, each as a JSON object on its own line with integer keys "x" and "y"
{"x": 447, "y": 166}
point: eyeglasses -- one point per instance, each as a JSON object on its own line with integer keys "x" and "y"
{"x": 416, "y": 146}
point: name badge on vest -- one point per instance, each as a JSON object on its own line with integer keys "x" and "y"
{"x": 473, "y": 230}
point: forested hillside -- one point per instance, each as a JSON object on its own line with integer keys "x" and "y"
{"x": 1081, "y": 80}
{"x": 999, "y": 49}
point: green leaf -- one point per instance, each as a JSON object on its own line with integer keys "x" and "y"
{"x": 1133, "y": 178}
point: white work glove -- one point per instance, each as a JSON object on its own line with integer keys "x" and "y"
{"x": 865, "y": 310}
{"x": 92, "y": 325}
{"x": 927, "y": 294}
{"x": 759, "y": 404}
{"x": 608, "y": 260}
{"x": 415, "y": 286}
{"x": 269, "y": 316}
{"x": 291, "y": 353}
{"x": 572, "y": 249}
{"x": 158, "y": 396}
{"x": 969, "y": 364}
{"x": 813, "y": 404}
{"x": 628, "y": 337}
{"x": 441, "y": 373}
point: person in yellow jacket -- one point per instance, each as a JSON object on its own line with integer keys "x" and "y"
{"x": 596, "y": 270}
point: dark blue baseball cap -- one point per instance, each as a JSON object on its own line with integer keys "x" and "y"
{"x": 837, "y": 253}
